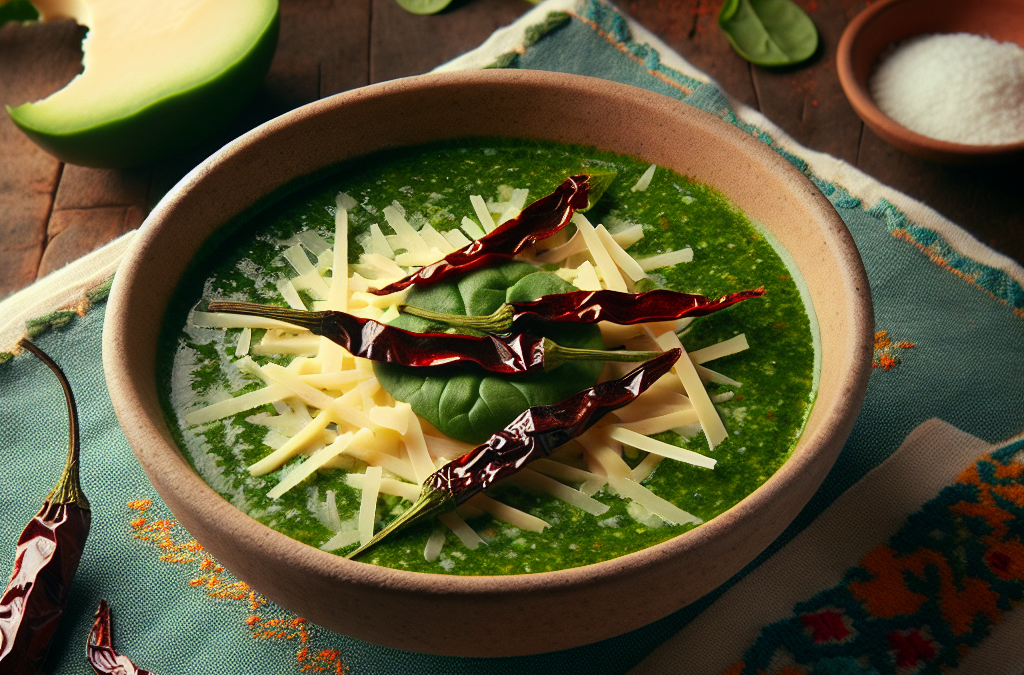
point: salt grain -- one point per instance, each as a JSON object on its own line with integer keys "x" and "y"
{"x": 960, "y": 87}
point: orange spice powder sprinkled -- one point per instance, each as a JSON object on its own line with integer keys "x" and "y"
{"x": 174, "y": 546}
{"x": 885, "y": 351}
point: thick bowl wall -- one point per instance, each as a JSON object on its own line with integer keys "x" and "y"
{"x": 504, "y": 615}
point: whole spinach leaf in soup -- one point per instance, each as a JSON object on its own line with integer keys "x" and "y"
{"x": 468, "y": 403}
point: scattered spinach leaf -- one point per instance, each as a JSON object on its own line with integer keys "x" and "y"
{"x": 423, "y": 6}
{"x": 470, "y": 404}
{"x": 18, "y": 10}
{"x": 769, "y": 32}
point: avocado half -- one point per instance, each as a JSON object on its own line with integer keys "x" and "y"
{"x": 158, "y": 76}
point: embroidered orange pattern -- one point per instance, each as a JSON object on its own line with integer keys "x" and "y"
{"x": 175, "y": 546}
{"x": 934, "y": 253}
{"x": 885, "y": 351}
{"x": 919, "y": 603}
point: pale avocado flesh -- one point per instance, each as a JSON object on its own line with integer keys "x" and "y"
{"x": 157, "y": 127}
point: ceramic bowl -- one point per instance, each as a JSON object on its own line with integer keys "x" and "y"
{"x": 891, "y": 21}
{"x": 499, "y": 615}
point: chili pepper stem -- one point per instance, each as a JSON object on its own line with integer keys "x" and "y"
{"x": 69, "y": 488}
{"x": 432, "y": 501}
{"x": 500, "y": 321}
{"x": 311, "y": 321}
{"x": 555, "y": 355}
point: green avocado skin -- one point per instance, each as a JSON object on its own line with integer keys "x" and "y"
{"x": 168, "y": 125}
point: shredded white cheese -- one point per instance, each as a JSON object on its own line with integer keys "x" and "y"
{"x": 435, "y": 543}
{"x": 482, "y": 213}
{"x": 619, "y": 255}
{"x": 603, "y": 260}
{"x": 295, "y": 444}
{"x": 456, "y": 239}
{"x": 341, "y": 540}
{"x": 531, "y": 480}
{"x": 733, "y": 345}
{"x": 290, "y": 295}
{"x": 244, "y": 340}
{"x": 409, "y": 238}
{"x": 656, "y": 425}
{"x": 628, "y": 236}
{"x": 645, "y": 179}
{"x": 698, "y": 395}
{"x": 641, "y": 442}
{"x": 435, "y": 239}
{"x": 306, "y": 469}
{"x": 508, "y": 514}
{"x": 469, "y": 538}
{"x": 669, "y": 259}
{"x": 238, "y": 404}
{"x": 620, "y": 477}
{"x": 561, "y": 471}
{"x": 586, "y": 278}
{"x": 557, "y": 254}
{"x": 379, "y": 243}
{"x": 388, "y": 486}
{"x": 646, "y": 467}
{"x": 419, "y": 457}
{"x": 472, "y": 229}
{"x": 338, "y": 296}
{"x": 515, "y": 206}
{"x": 368, "y": 503}
{"x": 313, "y": 281}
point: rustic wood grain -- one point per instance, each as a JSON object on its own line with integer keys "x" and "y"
{"x": 34, "y": 61}
{"x": 323, "y": 49}
{"x": 51, "y": 214}
{"x": 690, "y": 27}
{"x": 71, "y": 233}
{"x": 403, "y": 44}
{"x": 806, "y": 100}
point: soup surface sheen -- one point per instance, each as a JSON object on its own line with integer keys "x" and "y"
{"x": 764, "y": 417}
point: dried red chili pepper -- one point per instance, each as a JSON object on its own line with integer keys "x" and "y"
{"x": 590, "y": 307}
{"x": 535, "y": 433}
{"x": 539, "y": 220}
{"x": 369, "y": 339}
{"x": 99, "y": 650}
{"x": 47, "y": 557}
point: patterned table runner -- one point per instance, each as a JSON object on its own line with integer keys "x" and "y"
{"x": 902, "y": 596}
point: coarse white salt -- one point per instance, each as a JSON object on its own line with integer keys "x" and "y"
{"x": 958, "y": 87}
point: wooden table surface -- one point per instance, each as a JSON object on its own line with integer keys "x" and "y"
{"x": 52, "y": 213}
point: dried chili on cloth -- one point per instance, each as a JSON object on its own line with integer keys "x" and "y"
{"x": 47, "y": 557}
{"x": 99, "y": 650}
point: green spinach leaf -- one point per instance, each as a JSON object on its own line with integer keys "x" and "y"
{"x": 471, "y": 404}
{"x": 423, "y": 6}
{"x": 769, "y": 32}
{"x": 18, "y": 10}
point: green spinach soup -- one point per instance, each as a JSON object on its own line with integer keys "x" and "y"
{"x": 328, "y": 448}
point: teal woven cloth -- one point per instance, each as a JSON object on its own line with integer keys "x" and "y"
{"x": 950, "y": 345}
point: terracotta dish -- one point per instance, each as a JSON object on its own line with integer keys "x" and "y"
{"x": 502, "y": 615}
{"x": 890, "y": 21}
